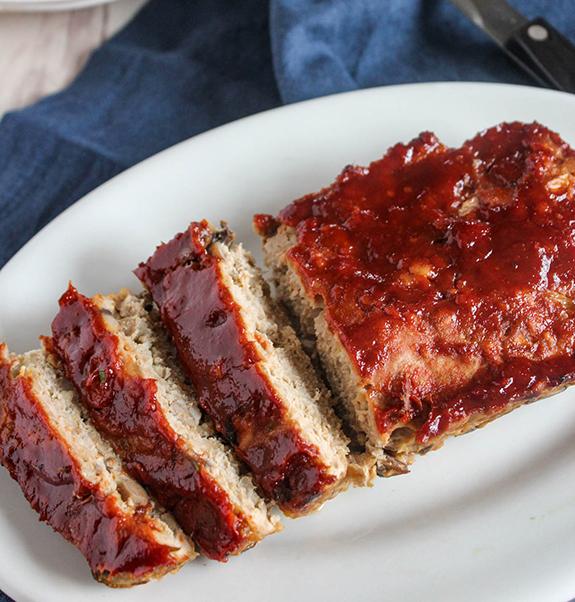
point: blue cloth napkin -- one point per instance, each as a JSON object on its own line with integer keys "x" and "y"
{"x": 181, "y": 67}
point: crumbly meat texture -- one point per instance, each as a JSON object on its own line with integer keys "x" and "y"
{"x": 73, "y": 479}
{"x": 437, "y": 284}
{"x": 119, "y": 357}
{"x": 248, "y": 368}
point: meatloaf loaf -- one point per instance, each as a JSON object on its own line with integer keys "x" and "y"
{"x": 249, "y": 371}
{"x": 118, "y": 356}
{"x": 437, "y": 283}
{"x": 74, "y": 480}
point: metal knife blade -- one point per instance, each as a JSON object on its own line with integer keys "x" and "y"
{"x": 534, "y": 44}
{"x": 496, "y": 18}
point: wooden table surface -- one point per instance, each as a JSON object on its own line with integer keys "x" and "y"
{"x": 42, "y": 52}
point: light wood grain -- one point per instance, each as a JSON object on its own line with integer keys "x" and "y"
{"x": 40, "y": 53}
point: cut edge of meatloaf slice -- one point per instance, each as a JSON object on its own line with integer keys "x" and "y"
{"x": 249, "y": 370}
{"x": 287, "y": 365}
{"x": 188, "y": 468}
{"x": 74, "y": 480}
{"x": 393, "y": 456}
{"x": 311, "y": 327}
{"x": 492, "y": 175}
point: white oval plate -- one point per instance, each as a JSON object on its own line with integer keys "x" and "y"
{"x": 48, "y": 5}
{"x": 491, "y": 516}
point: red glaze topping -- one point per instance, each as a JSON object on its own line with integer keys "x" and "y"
{"x": 123, "y": 407}
{"x": 447, "y": 274}
{"x": 39, "y": 461}
{"x": 207, "y": 329}
{"x": 265, "y": 225}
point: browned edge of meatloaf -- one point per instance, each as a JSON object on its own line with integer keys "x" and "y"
{"x": 393, "y": 454}
{"x": 144, "y": 342}
{"x": 137, "y": 399}
{"x": 249, "y": 349}
{"x": 540, "y": 182}
{"x": 73, "y": 479}
{"x": 307, "y": 317}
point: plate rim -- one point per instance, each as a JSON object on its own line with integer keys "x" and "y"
{"x": 77, "y": 207}
{"x": 27, "y": 6}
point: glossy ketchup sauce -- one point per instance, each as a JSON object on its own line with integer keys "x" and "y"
{"x": 39, "y": 460}
{"x": 124, "y": 408}
{"x": 448, "y": 275}
{"x": 185, "y": 281}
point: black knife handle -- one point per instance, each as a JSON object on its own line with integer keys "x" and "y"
{"x": 545, "y": 54}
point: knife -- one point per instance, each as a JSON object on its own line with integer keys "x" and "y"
{"x": 538, "y": 47}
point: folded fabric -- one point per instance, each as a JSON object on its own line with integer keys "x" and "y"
{"x": 181, "y": 68}
{"x": 326, "y": 47}
{"x": 178, "y": 69}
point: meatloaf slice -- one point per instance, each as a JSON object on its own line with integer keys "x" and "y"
{"x": 438, "y": 283}
{"x": 248, "y": 368}
{"x": 119, "y": 357}
{"x": 74, "y": 480}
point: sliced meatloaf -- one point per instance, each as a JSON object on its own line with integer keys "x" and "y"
{"x": 74, "y": 480}
{"x": 248, "y": 368}
{"x": 437, "y": 283}
{"x": 119, "y": 357}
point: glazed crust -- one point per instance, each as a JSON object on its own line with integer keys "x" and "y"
{"x": 78, "y": 490}
{"x": 438, "y": 283}
{"x": 131, "y": 406}
{"x": 269, "y": 414}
